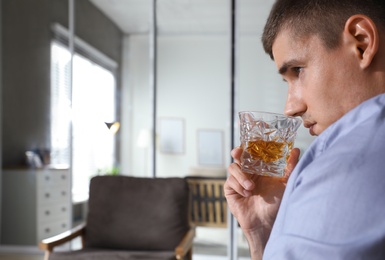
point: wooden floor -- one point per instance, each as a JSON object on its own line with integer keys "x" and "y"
{"x": 36, "y": 257}
{"x": 9, "y": 256}
{"x": 201, "y": 251}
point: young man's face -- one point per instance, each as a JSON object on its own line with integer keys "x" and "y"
{"x": 320, "y": 80}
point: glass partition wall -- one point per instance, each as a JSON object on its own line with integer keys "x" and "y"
{"x": 193, "y": 98}
{"x": 193, "y": 87}
{"x": 179, "y": 97}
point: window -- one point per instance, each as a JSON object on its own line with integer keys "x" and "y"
{"x": 88, "y": 107}
{"x": 60, "y": 105}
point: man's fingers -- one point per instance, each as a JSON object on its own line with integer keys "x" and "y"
{"x": 292, "y": 162}
{"x": 239, "y": 181}
{"x": 236, "y": 154}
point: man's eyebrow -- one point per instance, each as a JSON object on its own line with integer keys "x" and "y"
{"x": 286, "y": 65}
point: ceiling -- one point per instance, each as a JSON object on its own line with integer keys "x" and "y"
{"x": 186, "y": 16}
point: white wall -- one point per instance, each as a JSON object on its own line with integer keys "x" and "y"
{"x": 136, "y": 104}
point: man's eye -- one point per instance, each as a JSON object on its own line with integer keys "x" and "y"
{"x": 297, "y": 70}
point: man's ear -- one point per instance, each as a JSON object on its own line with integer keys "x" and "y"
{"x": 365, "y": 39}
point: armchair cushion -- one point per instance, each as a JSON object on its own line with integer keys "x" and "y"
{"x": 137, "y": 213}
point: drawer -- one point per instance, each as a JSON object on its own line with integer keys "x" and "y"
{"x": 52, "y": 178}
{"x": 52, "y": 212}
{"x": 53, "y": 228}
{"x": 53, "y": 194}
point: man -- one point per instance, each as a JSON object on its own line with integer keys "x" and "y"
{"x": 331, "y": 53}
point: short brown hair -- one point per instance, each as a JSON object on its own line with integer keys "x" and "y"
{"x": 325, "y": 18}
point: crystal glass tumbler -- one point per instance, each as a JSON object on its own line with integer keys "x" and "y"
{"x": 266, "y": 140}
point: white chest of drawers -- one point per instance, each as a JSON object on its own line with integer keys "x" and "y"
{"x": 36, "y": 204}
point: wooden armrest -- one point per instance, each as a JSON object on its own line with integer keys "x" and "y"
{"x": 185, "y": 246}
{"x": 49, "y": 243}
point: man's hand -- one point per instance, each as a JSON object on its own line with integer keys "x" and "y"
{"x": 254, "y": 200}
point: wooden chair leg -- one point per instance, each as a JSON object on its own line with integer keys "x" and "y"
{"x": 46, "y": 255}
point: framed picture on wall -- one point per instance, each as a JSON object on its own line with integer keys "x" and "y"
{"x": 171, "y": 135}
{"x": 210, "y": 147}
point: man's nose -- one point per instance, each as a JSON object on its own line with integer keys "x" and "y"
{"x": 295, "y": 106}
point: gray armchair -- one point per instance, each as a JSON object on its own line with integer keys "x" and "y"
{"x": 131, "y": 218}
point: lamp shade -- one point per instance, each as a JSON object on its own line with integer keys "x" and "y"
{"x": 113, "y": 126}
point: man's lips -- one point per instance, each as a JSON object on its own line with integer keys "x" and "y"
{"x": 310, "y": 126}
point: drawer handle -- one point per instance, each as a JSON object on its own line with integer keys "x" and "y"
{"x": 47, "y": 230}
{"x": 47, "y": 195}
{"x": 47, "y": 178}
{"x": 63, "y": 177}
{"x": 47, "y": 212}
{"x": 64, "y": 225}
{"x": 63, "y": 193}
{"x": 64, "y": 209}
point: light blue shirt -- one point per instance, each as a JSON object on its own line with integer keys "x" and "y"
{"x": 334, "y": 202}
